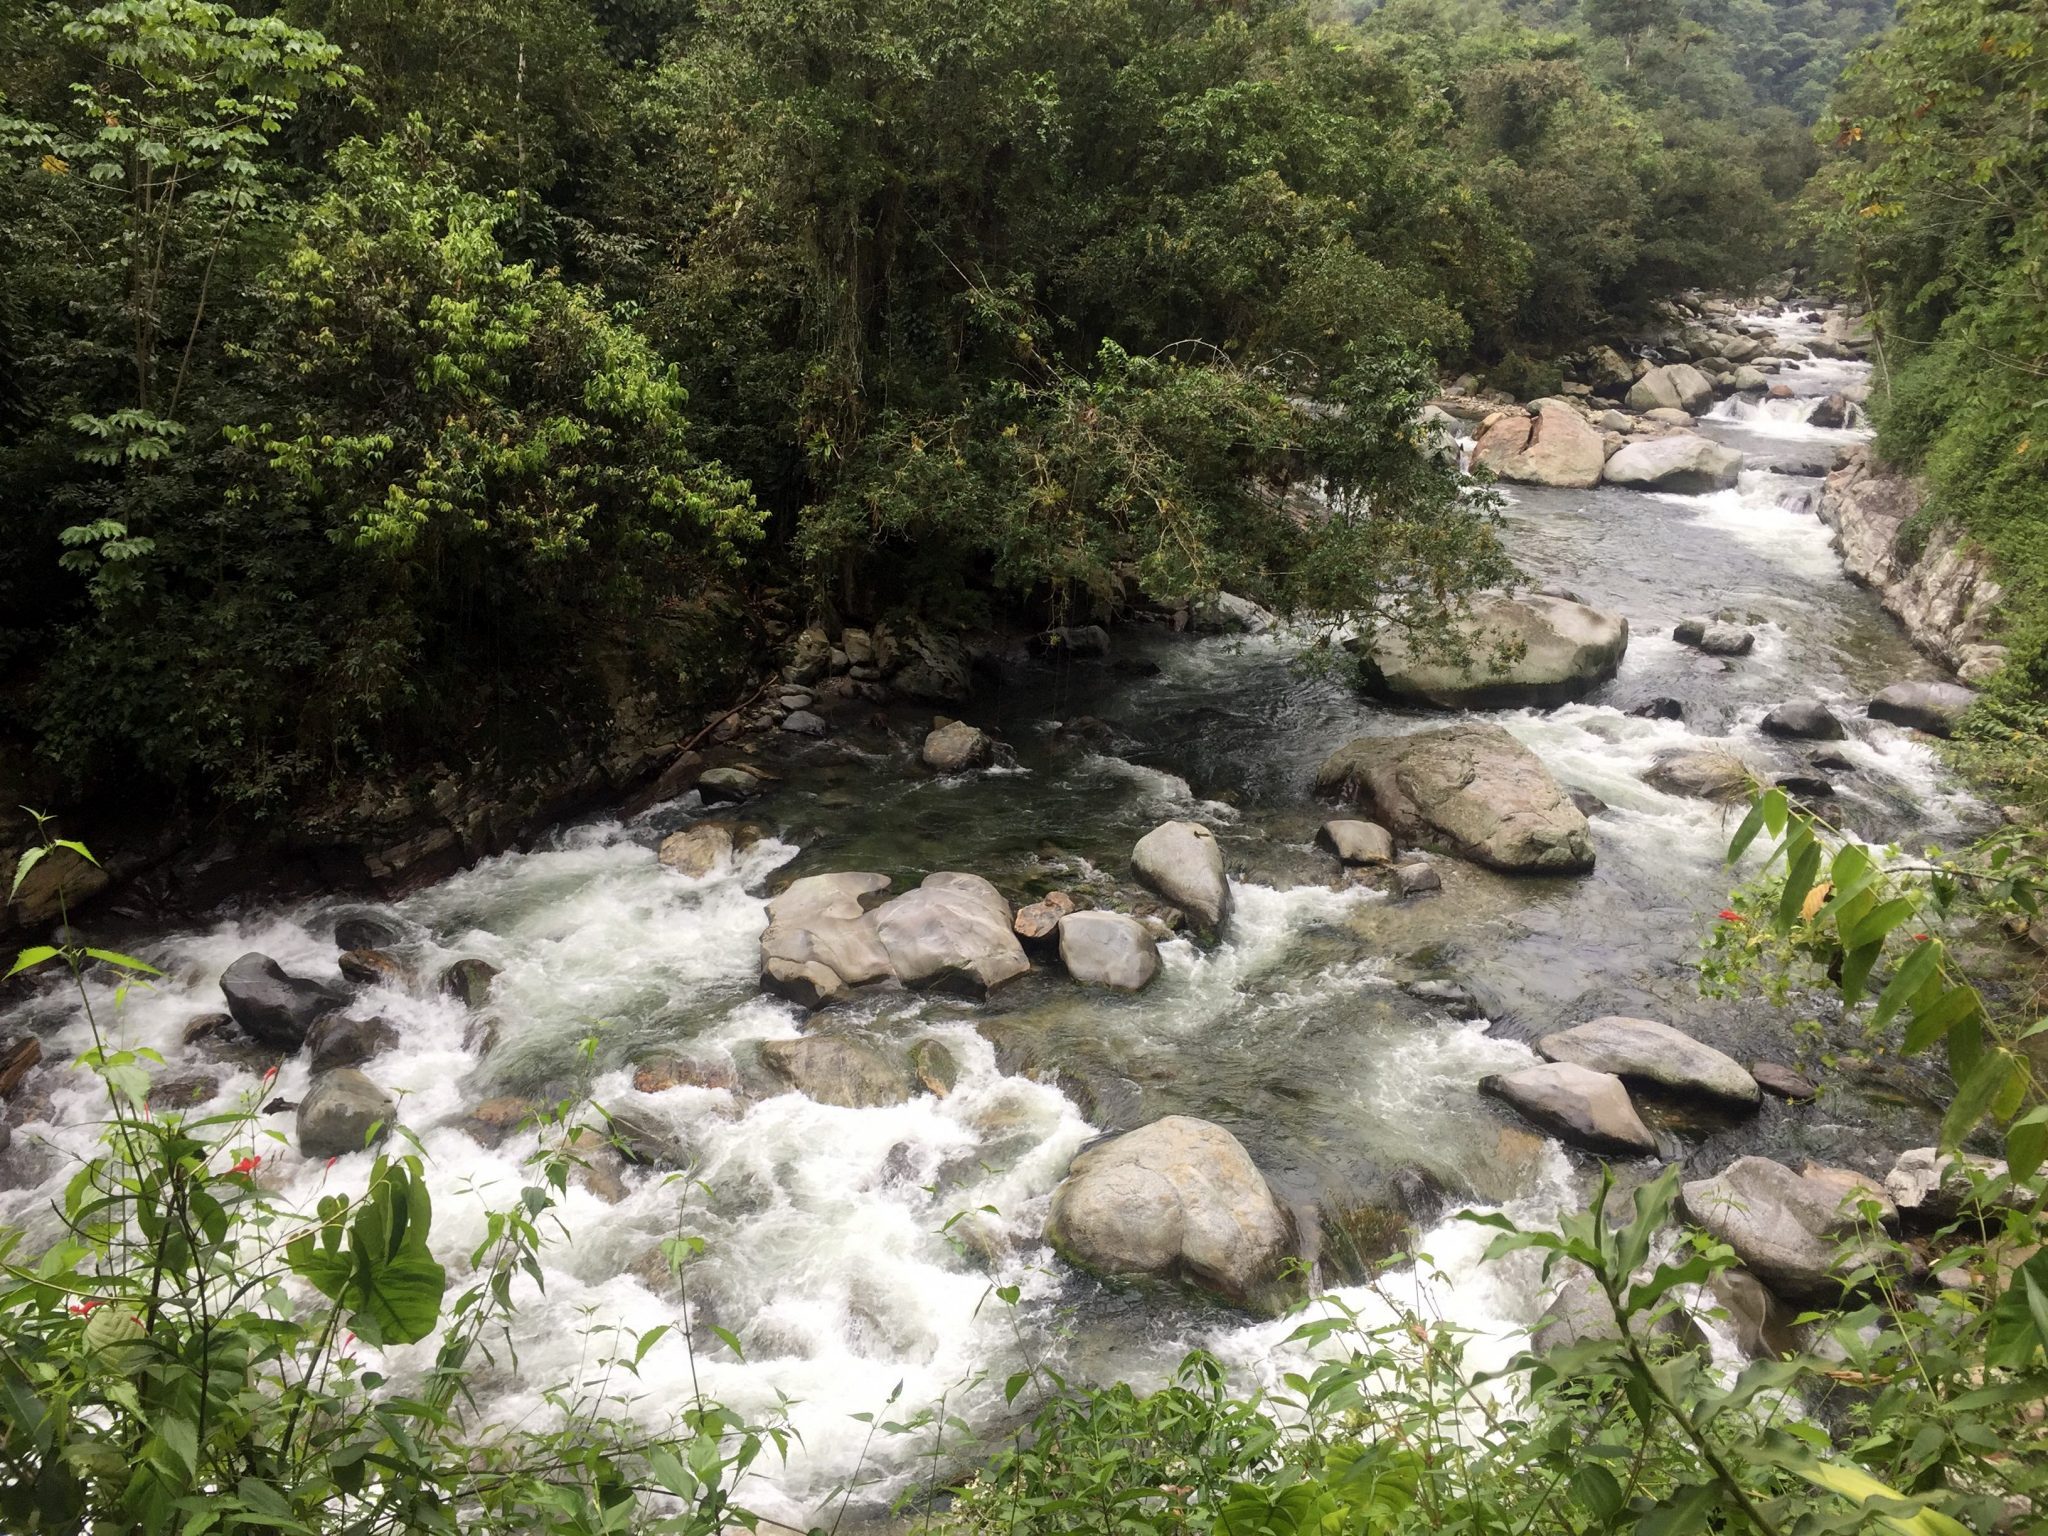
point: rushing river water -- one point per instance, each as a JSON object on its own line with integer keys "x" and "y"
{"x": 825, "y": 1254}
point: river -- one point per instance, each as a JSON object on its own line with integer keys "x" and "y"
{"x": 825, "y": 1254}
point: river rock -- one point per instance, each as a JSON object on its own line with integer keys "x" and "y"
{"x": 1554, "y": 446}
{"x": 341, "y": 1041}
{"x": 1748, "y": 380}
{"x": 273, "y": 1008}
{"x": 1177, "y": 1199}
{"x": 1108, "y": 949}
{"x": 1580, "y": 1314}
{"x": 658, "y": 1074}
{"x": 726, "y": 786}
{"x": 1471, "y": 786}
{"x": 952, "y": 933}
{"x": 1566, "y": 650}
{"x": 1417, "y": 878}
{"x": 373, "y": 968}
{"x": 1645, "y": 1051}
{"x": 18, "y": 1057}
{"x": 1080, "y": 641}
{"x": 1038, "y": 925}
{"x": 1714, "y": 637}
{"x": 834, "y": 1069}
{"x": 338, "y": 1111}
{"x": 821, "y": 940}
{"x": 1782, "y": 1082}
{"x": 1576, "y": 1104}
{"x": 810, "y": 657}
{"x": 366, "y": 930}
{"x": 954, "y": 746}
{"x": 1183, "y": 862}
{"x": 1932, "y": 1190}
{"x": 1931, "y": 707}
{"x": 801, "y": 722}
{"x": 935, "y": 1067}
{"x": 1831, "y": 411}
{"x": 1357, "y": 842}
{"x": 697, "y": 850}
{"x": 1784, "y": 1227}
{"x": 1700, "y": 773}
{"x": 1665, "y": 416}
{"x": 469, "y": 981}
{"x": 1663, "y": 707}
{"x": 1672, "y": 387}
{"x": 923, "y": 664}
{"x": 1803, "y": 720}
{"x": 1684, "y": 463}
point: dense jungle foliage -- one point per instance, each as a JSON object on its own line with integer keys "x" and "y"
{"x": 385, "y": 382}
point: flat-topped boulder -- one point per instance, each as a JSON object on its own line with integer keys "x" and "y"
{"x": 1803, "y": 720}
{"x": 1700, "y": 773}
{"x": 1716, "y": 637}
{"x": 1534, "y": 651}
{"x": 1553, "y": 445}
{"x": 1788, "y": 1229}
{"x": 1182, "y": 861}
{"x": 837, "y": 1069}
{"x": 1672, "y": 387}
{"x": 1646, "y": 1051}
{"x": 1575, "y": 1104}
{"x": 1357, "y": 842}
{"x": 953, "y": 933}
{"x": 821, "y": 939}
{"x": 1108, "y": 949}
{"x": 1179, "y": 1199}
{"x": 1470, "y": 787}
{"x": 1931, "y": 707}
{"x": 1683, "y": 462}
{"x": 1931, "y": 1189}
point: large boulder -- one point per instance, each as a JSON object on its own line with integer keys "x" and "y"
{"x": 1787, "y": 1228}
{"x": 1700, "y": 773}
{"x": 273, "y": 1008}
{"x": 696, "y": 851}
{"x": 952, "y": 933}
{"x": 1471, "y": 786}
{"x": 1803, "y": 720}
{"x": 1357, "y": 842}
{"x": 954, "y": 746}
{"x": 341, "y": 1041}
{"x": 834, "y": 1069}
{"x": 821, "y": 940}
{"x": 1554, "y": 446}
{"x": 1682, "y": 462}
{"x": 1931, "y": 707}
{"x": 1715, "y": 637}
{"x": 1183, "y": 862}
{"x": 1108, "y": 949}
{"x": 340, "y": 1110}
{"x": 1575, "y": 1104}
{"x": 1551, "y": 651}
{"x": 1673, "y": 387}
{"x": 1178, "y": 1199}
{"x": 1645, "y": 1051}
{"x": 923, "y": 664}
{"x": 1932, "y": 1189}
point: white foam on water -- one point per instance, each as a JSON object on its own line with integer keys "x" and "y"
{"x": 1754, "y": 512}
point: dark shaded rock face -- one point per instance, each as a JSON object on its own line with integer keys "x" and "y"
{"x": 340, "y": 1111}
{"x": 272, "y": 1007}
{"x": 1931, "y": 707}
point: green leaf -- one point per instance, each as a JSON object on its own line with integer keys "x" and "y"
{"x": 1595, "y": 1490}
{"x": 29, "y": 861}
{"x": 1932, "y": 1023}
{"x": 386, "y": 1277}
{"x": 2025, "y": 1142}
{"x": 1798, "y": 881}
{"x": 1858, "y": 1486}
{"x": 1974, "y": 1095}
{"x": 1745, "y": 834}
{"x": 1880, "y": 922}
{"x": 30, "y": 958}
{"x": 1916, "y": 968}
{"x": 125, "y": 962}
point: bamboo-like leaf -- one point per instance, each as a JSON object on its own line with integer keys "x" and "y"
{"x": 1914, "y": 971}
{"x": 1974, "y": 1095}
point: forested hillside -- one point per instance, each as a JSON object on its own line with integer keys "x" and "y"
{"x": 393, "y": 382}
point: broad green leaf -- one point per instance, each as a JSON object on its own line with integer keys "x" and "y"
{"x": 1975, "y": 1094}
{"x": 1858, "y": 1486}
{"x": 1745, "y": 834}
{"x": 1931, "y": 1024}
{"x": 30, "y": 958}
{"x": 1921, "y": 962}
{"x": 1798, "y": 881}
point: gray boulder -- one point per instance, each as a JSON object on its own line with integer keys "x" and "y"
{"x": 367, "y": 930}
{"x": 1550, "y": 651}
{"x": 1357, "y": 842}
{"x": 952, "y": 933}
{"x": 1931, "y": 1189}
{"x": 834, "y": 1069}
{"x": 1931, "y": 707}
{"x": 469, "y": 981}
{"x": 1672, "y": 387}
{"x": 341, "y": 1041}
{"x": 273, "y": 1008}
{"x": 1575, "y": 1104}
{"x": 726, "y": 786}
{"x": 1715, "y": 637}
{"x": 1700, "y": 773}
{"x": 801, "y": 722}
{"x": 696, "y": 851}
{"x": 1803, "y": 720}
{"x": 1645, "y": 1051}
{"x": 922, "y": 664}
{"x": 1683, "y": 462}
{"x": 1789, "y": 1230}
{"x": 1182, "y": 861}
{"x": 1553, "y": 446}
{"x": 954, "y": 746}
{"x": 1178, "y": 1199}
{"x": 821, "y": 940}
{"x": 339, "y": 1111}
{"x": 1472, "y": 787}
{"x": 1748, "y": 380}
{"x": 1108, "y": 949}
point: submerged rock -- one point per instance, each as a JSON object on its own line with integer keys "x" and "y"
{"x": 1782, "y": 1082}
{"x": 834, "y": 1069}
{"x": 1645, "y": 1051}
{"x": 340, "y": 1041}
{"x": 338, "y": 1112}
{"x": 1471, "y": 786}
{"x": 1551, "y": 651}
{"x": 1182, "y": 861}
{"x": 470, "y": 981}
{"x": 1178, "y": 1199}
{"x": 273, "y": 1008}
{"x": 366, "y": 930}
{"x": 1108, "y": 949}
{"x": 952, "y": 933}
{"x": 1931, "y": 707}
{"x": 1585, "y": 1108}
{"x": 372, "y": 968}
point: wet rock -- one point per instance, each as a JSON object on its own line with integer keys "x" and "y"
{"x": 373, "y": 968}
{"x": 1580, "y": 1314}
{"x": 1683, "y": 463}
{"x": 1418, "y": 879}
{"x": 183, "y": 1090}
{"x": 935, "y": 1067}
{"x": 1715, "y": 638}
{"x": 1178, "y": 1199}
{"x": 821, "y": 940}
{"x": 1785, "y": 1228}
{"x": 924, "y": 665}
{"x": 658, "y": 1074}
{"x": 58, "y": 883}
{"x": 491, "y": 1122}
{"x": 1183, "y": 862}
{"x": 1077, "y": 640}
{"x": 1585, "y": 1108}
{"x": 340, "y": 1041}
{"x": 272, "y": 1007}
{"x": 1672, "y": 387}
{"x": 215, "y": 1027}
{"x": 1554, "y": 446}
{"x": 366, "y": 930}
{"x": 953, "y": 934}
{"x": 1804, "y": 786}
{"x": 1452, "y": 997}
{"x": 1038, "y": 926}
{"x": 1831, "y": 411}
{"x": 1550, "y": 651}
{"x": 834, "y": 1069}
{"x": 726, "y": 786}
{"x": 1108, "y": 949}
{"x": 480, "y": 1035}
{"x": 1932, "y": 1189}
{"x": 18, "y": 1057}
{"x": 600, "y": 1168}
{"x": 1760, "y": 1326}
{"x": 642, "y": 1138}
{"x": 1804, "y": 720}
{"x": 698, "y": 850}
{"x": 1660, "y": 708}
{"x": 1357, "y": 842}
{"x": 801, "y": 722}
{"x": 1589, "y": 804}
{"x": 469, "y": 981}
{"x": 954, "y": 746}
{"x": 1833, "y": 762}
{"x": 1645, "y": 1051}
{"x": 810, "y": 658}
{"x": 1471, "y": 786}
{"x": 339, "y": 1111}
{"x": 1931, "y": 707}
{"x": 1782, "y": 1082}
{"x": 1700, "y": 773}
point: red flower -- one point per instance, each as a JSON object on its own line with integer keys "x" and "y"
{"x": 246, "y": 1165}
{"x": 334, "y": 1159}
{"x": 267, "y": 1076}
{"x": 1730, "y": 915}
{"x": 1919, "y": 938}
{"x": 84, "y": 1307}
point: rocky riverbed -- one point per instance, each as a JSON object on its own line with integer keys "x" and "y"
{"x": 1126, "y": 968}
